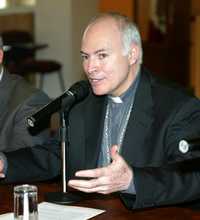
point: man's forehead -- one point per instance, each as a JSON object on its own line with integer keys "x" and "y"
{"x": 103, "y": 26}
{"x": 101, "y": 38}
{"x": 103, "y": 21}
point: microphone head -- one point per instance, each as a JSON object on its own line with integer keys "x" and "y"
{"x": 76, "y": 93}
{"x": 80, "y": 90}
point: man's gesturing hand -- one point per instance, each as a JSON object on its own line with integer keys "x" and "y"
{"x": 115, "y": 177}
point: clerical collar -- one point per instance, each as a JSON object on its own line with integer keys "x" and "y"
{"x": 127, "y": 93}
{"x": 116, "y": 99}
{"x": 1, "y": 74}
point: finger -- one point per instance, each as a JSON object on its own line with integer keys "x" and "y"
{"x": 99, "y": 189}
{"x": 1, "y": 165}
{"x": 83, "y": 183}
{"x": 102, "y": 181}
{"x": 2, "y": 175}
{"x": 93, "y": 173}
{"x": 114, "y": 153}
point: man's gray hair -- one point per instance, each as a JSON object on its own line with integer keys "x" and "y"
{"x": 128, "y": 29}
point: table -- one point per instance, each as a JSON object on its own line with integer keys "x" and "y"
{"x": 115, "y": 210}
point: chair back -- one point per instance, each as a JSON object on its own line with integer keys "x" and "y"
{"x": 17, "y": 42}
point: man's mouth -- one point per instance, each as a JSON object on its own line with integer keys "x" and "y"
{"x": 96, "y": 80}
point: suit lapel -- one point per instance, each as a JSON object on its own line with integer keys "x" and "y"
{"x": 139, "y": 124}
{"x": 94, "y": 127}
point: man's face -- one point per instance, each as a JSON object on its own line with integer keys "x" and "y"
{"x": 108, "y": 70}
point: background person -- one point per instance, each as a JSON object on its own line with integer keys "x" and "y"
{"x": 18, "y": 99}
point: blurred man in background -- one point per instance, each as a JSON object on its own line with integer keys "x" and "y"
{"x": 18, "y": 99}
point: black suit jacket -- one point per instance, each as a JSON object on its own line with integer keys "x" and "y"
{"x": 160, "y": 118}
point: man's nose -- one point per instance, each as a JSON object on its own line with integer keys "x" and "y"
{"x": 92, "y": 66}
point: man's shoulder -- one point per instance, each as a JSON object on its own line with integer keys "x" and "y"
{"x": 17, "y": 83}
{"x": 165, "y": 89}
{"x": 23, "y": 91}
{"x": 168, "y": 97}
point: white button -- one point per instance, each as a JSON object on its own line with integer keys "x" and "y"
{"x": 183, "y": 146}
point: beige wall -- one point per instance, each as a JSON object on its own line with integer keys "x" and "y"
{"x": 82, "y": 11}
{"x": 59, "y": 23}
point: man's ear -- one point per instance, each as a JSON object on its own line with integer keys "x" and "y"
{"x": 1, "y": 55}
{"x": 133, "y": 55}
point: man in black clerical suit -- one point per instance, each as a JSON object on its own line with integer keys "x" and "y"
{"x": 124, "y": 136}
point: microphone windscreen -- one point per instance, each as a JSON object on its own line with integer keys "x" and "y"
{"x": 80, "y": 90}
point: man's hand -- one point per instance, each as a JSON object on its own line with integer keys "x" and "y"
{"x": 115, "y": 177}
{"x": 2, "y": 175}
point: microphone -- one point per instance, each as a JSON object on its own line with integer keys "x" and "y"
{"x": 189, "y": 145}
{"x": 76, "y": 93}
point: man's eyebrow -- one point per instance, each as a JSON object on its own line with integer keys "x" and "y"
{"x": 81, "y": 52}
{"x": 96, "y": 52}
{"x": 100, "y": 50}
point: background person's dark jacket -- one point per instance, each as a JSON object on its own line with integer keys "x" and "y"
{"x": 18, "y": 99}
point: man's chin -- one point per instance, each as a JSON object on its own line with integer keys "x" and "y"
{"x": 99, "y": 92}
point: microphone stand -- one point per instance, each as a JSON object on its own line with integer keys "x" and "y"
{"x": 63, "y": 197}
